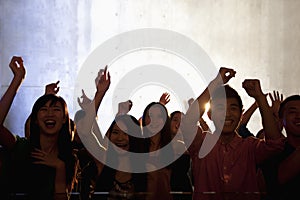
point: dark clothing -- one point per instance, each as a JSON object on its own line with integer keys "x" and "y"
{"x": 115, "y": 190}
{"x": 34, "y": 181}
{"x": 243, "y": 131}
{"x": 180, "y": 180}
{"x": 289, "y": 190}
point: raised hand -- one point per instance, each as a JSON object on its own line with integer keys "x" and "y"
{"x": 124, "y": 107}
{"x": 85, "y": 100}
{"x": 52, "y": 88}
{"x": 102, "y": 80}
{"x": 253, "y": 88}
{"x": 17, "y": 67}
{"x": 164, "y": 98}
{"x": 276, "y": 100}
{"x": 224, "y": 75}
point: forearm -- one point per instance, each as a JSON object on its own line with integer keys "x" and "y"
{"x": 248, "y": 113}
{"x": 98, "y": 99}
{"x": 197, "y": 109}
{"x": 8, "y": 98}
{"x": 268, "y": 121}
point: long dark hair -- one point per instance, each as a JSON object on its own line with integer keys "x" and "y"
{"x": 64, "y": 136}
{"x": 135, "y": 133}
{"x": 136, "y": 145}
{"x": 165, "y": 131}
{"x": 167, "y": 154}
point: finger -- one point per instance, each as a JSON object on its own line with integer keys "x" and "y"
{"x": 83, "y": 94}
{"x": 78, "y": 100}
{"x": 57, "y": 83}
{"x": 57, "y": 90}
{"x": 277, "y": 96}
{"x": 271, "y": 97}
{"x": 38, "y": 150}
{"x": 108, "y": 76}
{"x": 39, "y": 162}
{"x": 281, "y": 97}
{"x": 105, "y": 70}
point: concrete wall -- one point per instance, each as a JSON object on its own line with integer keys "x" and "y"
{"x": 260, "y": 39}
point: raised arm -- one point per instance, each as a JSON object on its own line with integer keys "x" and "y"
{"x": 102, "y": 84}
{"x": 90, "y": 107}
{"x": 197, "y": 108}
{"x": 17, "y": 67}
{"x": 248, "y": 113}
{"x": 7, "y": 139}
{"x": 86, "y": 125}
{"x": 242, "y": 128}
{"x": 253, "y": 88}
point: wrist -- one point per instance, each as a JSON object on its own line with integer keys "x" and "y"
{"x": 260, "y": 98}
{"x": 100, "y": 92}
{"x": 213, "y": 85}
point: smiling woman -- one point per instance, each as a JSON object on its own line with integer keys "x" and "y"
{"x": 50, "y": 133}
{"x": 45, "y": 160}
{"x": 125, "y": 136}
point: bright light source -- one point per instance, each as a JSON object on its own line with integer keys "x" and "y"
{"x": 207, "y": 106}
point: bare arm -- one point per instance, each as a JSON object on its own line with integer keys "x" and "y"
{"x": 7, "y": 139}
{"x": 87, "y": 128}
{"x": 197, "y": 108}
{"x": 204, "y": 125}
{"x": 17, "y": 67}
{"x": 248, "y": 113}
{"x": 253, "y": 88}
{"x": 102, "y": 83}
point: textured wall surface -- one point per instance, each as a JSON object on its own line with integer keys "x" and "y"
{"x": 260, "y": 39}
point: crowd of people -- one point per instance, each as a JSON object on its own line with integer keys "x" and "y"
{"x": 182, "y": 157}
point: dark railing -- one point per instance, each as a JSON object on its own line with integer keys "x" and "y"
{"x": 142, "y": 195}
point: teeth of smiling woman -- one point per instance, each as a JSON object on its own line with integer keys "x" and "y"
{"x": 50, "y": 123}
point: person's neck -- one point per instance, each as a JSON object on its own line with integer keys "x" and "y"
{"x": 48, "y": 143}
{"x": 226, "y": 138}
{"x": 155, "y": 142}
